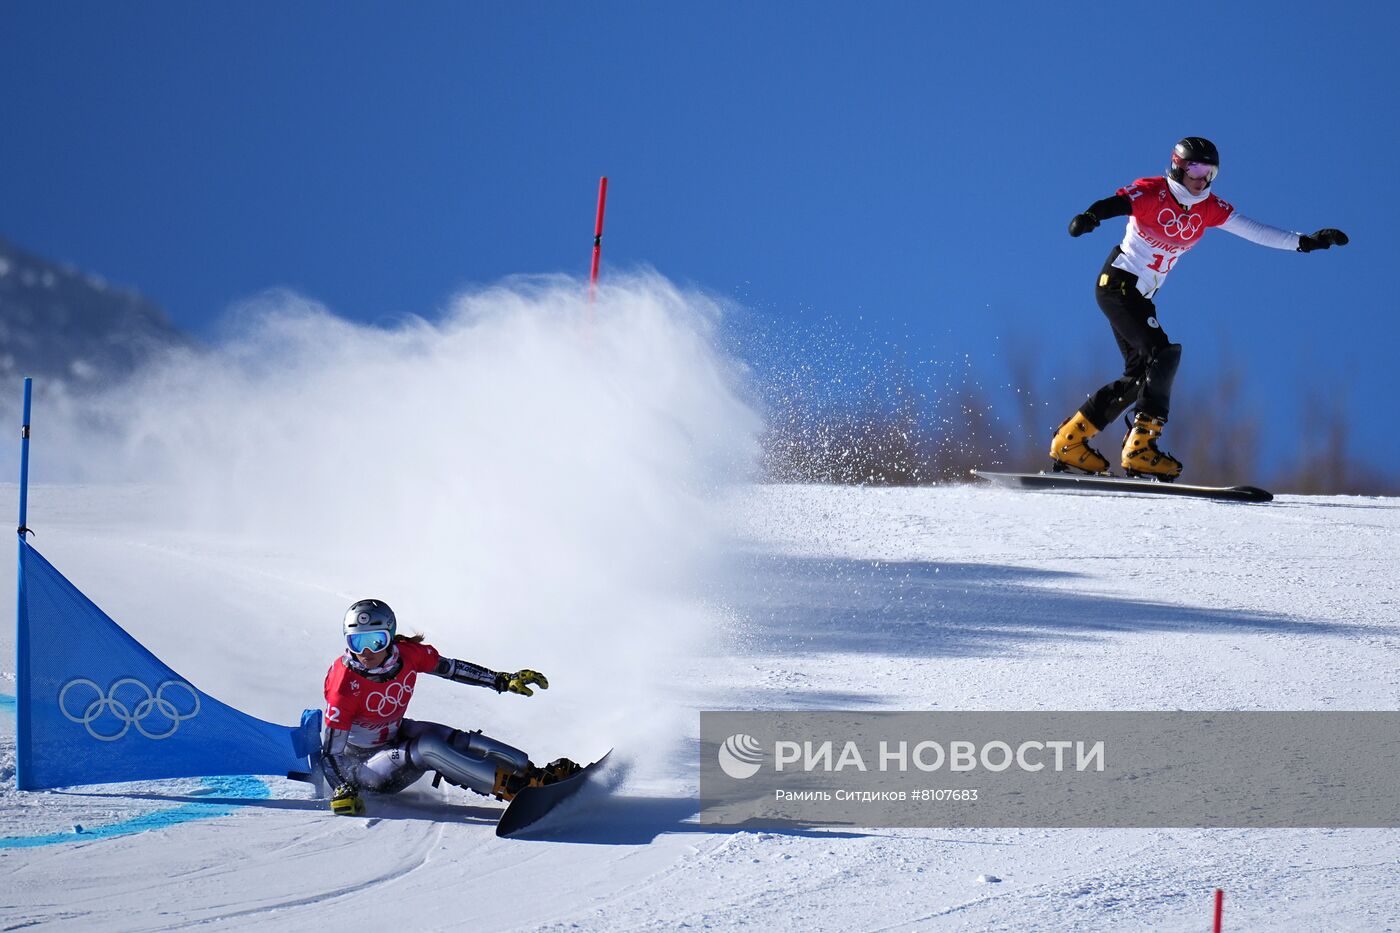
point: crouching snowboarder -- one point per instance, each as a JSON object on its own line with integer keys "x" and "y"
{"x": 1166, "y": 217}
{"x": 369, "y": 745}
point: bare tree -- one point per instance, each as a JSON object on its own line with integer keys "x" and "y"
{"x": 909, "y": 425}
{"x": 1217, "y": 436}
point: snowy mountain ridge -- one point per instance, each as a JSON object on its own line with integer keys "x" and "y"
{"x": 65, "y": 326}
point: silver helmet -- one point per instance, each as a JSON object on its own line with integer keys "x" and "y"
{"x": 366, "y": 619}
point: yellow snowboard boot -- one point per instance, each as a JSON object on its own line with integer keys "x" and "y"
{"x": 1070, "y": 449}
{"x": 509, "y": 783}
{"x": 1140, "y": 454}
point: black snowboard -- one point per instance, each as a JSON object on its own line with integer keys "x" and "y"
{"x": 532, "y": 803}
{"x": 1082, "y": 483}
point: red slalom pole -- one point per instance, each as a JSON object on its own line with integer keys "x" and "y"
{"x": 1219, "y": 907}
{"x": 598, "y": 238}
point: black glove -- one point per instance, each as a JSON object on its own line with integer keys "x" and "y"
{"x": 1082, "y": 224}
{"x": 1322, "y": 239}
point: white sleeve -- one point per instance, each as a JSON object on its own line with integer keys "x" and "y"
{"x": 1263, "y": 234}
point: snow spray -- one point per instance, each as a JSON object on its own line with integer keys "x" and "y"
{"x": 523, "y": 497}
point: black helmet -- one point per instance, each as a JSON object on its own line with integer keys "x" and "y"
{"x": 1195, "y": 149}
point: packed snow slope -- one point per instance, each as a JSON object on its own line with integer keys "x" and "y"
{"x": 575, "y": 499}
{"x": 943, "y": 598}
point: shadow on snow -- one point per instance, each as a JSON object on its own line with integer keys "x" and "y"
{"x": 797, "y": 605}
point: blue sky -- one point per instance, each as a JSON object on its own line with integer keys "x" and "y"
{"x": 905, "y": 170}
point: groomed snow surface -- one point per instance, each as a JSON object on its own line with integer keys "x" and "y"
{"x": 536, "y": 482}
{"x": 937, "y": 598}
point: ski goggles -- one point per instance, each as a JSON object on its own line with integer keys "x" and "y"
{"x": 361, "y": 642}
{"x": 1201, "y": 170}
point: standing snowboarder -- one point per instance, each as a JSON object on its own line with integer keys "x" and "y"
{"x": 369, "y": 745}
{"x": 1167, "y": 215}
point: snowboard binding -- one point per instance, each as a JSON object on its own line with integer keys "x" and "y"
{"x": 1059, "y": 466}
{"x": 1154, "y": 477}
{"x": 508, "y": 784}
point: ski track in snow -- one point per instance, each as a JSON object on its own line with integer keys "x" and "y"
{"x": 941, "y": 598}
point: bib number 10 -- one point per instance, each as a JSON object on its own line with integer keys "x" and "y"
{"x": 1161, "y": 263}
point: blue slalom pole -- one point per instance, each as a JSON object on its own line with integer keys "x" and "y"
{"x": 24, "y": 458}
{"x": 23, "y": 767}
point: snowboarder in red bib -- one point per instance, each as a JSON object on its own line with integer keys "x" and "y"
{"x": 1167, "y": 215}
{"x": 369, "y": 745}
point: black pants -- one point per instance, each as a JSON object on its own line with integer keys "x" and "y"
{"x": 1149, "y": 358}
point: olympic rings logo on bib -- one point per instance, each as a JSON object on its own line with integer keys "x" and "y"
{"x": 128, "y": 709}
{"x": 386, "y": 702}
{"x": 1184, "y": 226}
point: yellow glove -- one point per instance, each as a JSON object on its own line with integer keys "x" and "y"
{"x": 520, "y": 682}
{"x": 346, "y": 802}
